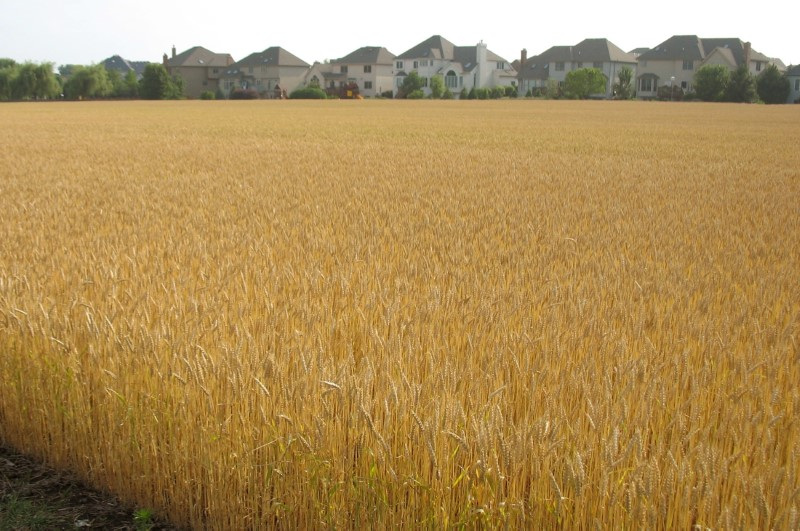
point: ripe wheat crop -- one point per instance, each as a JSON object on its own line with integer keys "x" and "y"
{"x": 337, "y": 314}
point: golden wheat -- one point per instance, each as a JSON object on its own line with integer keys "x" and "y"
{"x": 300, "y": 314}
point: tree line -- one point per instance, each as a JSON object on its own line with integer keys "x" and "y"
{"x": 31, "y": 81}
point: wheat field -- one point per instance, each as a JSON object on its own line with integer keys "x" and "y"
{"x": 427, "y": 314}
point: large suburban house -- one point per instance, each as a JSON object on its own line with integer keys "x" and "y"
{"x": 273, "y": 73}
{"x": 461, "y": 67}
{"x": 674, "y": 62}
{"x": 200, "y": 69}
{"x": 552, "y": 66}
{"x": 370, "y": 69}
{"x": 793, "y": 75}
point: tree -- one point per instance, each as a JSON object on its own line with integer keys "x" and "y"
{"x": 772, "y": 86}
{"x": 711, "y": 81}
{"x": 8, "y": 71}
{"x": 34, "y": 81}
{"x": 154, "y": 82}
{"x": 623, "y": 88}
{"x": 411, "y": 83}
{"x": 130, "y": 85}
{"x": 583, "y": 82}
{"x": 741, "y": 86}
{"x": 437, "y": 86}
{"x": 88, "y": 82}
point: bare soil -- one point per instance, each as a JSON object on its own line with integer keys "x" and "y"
{"x": 35, "y": 496}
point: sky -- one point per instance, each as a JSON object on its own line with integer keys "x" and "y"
{"x": 89, "y": 31}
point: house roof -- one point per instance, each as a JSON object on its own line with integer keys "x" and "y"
{"x": 368, "y": 55}
{"x": 199, "y": 56}
{"x": 677, "y": 47}
{"x": 115, "y": 62}
{"x": 693, "y": 48}
{"x": 588, "y": 50}
{"x": 638, "y": 51}
{"x": 272, "y": 56}
{"x": 793, "y": 70}
{"x": 600, "y": 50}
{"x": 435, "y": 47}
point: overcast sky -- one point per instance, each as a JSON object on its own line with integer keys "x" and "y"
{"x": 89, "y": 31}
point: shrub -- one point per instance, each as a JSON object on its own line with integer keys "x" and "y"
{"x": 416, "y": 95}
{"x": 208, "y": 95}
{"x": 308, "y": 93}
{"x": 511, "y": 91}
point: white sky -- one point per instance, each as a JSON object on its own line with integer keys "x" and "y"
{"x": 88, "y": 31}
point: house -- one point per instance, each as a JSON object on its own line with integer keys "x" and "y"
{"x": 553, "y": 65}
{"x": 123, "y": 66}
{"x": 369, "y": 67}
{"x": 200, "y": 69}
{"x": 273, "y": 73}
{"x": 674, "y": 62}
{"x": 462, "y": 67}
{"x": 793, "y": 75}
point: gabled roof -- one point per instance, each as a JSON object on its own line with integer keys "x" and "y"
{"x": 272, "y": 56}
{"x": 123, "y": 66}
{"x": 199, "y": 56}
{"x": 368, "y": 55}
{"x": 677, "y": 47}
{"x": 793, "y": 70}
{"x": 600, "y": 50}
{"x": 436, "y": 47}
{"x": 725, "y": 53}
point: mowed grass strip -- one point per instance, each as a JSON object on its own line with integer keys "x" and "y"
{"x": 307, "y": 314}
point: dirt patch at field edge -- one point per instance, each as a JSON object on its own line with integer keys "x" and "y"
{"x": 34, "y": 496}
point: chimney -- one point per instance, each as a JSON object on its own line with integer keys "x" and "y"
{"x": 173, "y": 51}
{"x": 747, "y": 54}
{"x": 523, "y": 57}
{"x": 165, "y": 60}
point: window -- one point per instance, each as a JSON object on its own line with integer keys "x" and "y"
{"x": 344, "y": 69}
{"x": 424, "y": 81}
{"x": 215, "y": 70}
{"x": 688, "y": 65}
{"x": 416, "y": 64}
{"x": 368, "y": 85}
{"x": 684, "y": 85}
{"x": 559, "y": 67}
{"x": 797, "y": 84}
{"x": 400, "y": 81}
{"x": 451, "y": 80}
{"x": 646, "y": 84}
{"x": 598, "y": 64}
{"x": 758, "y": 66}
{"x": 501, "y": 65}
{"x": 367, "y": 69}
{"x": 398, "y": 65}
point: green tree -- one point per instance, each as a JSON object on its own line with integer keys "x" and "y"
{"x": 623, "y": 88}
{"x": 437, "y": 86}
{"x": 153, "y": 85}
{"x": 130, "y": 85}
{"x": 772, "y": 86}
{"x": 34, "y": 81}
{"x": 88, "y": 82}
{"x": 8, "y": 73}
{"x": 710, "y": 82}
{"x": 741, "y": 87}
{"x": 583, "y": 82}
{"x": 411, "y": 83}
{"x": 174, "y": 90}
